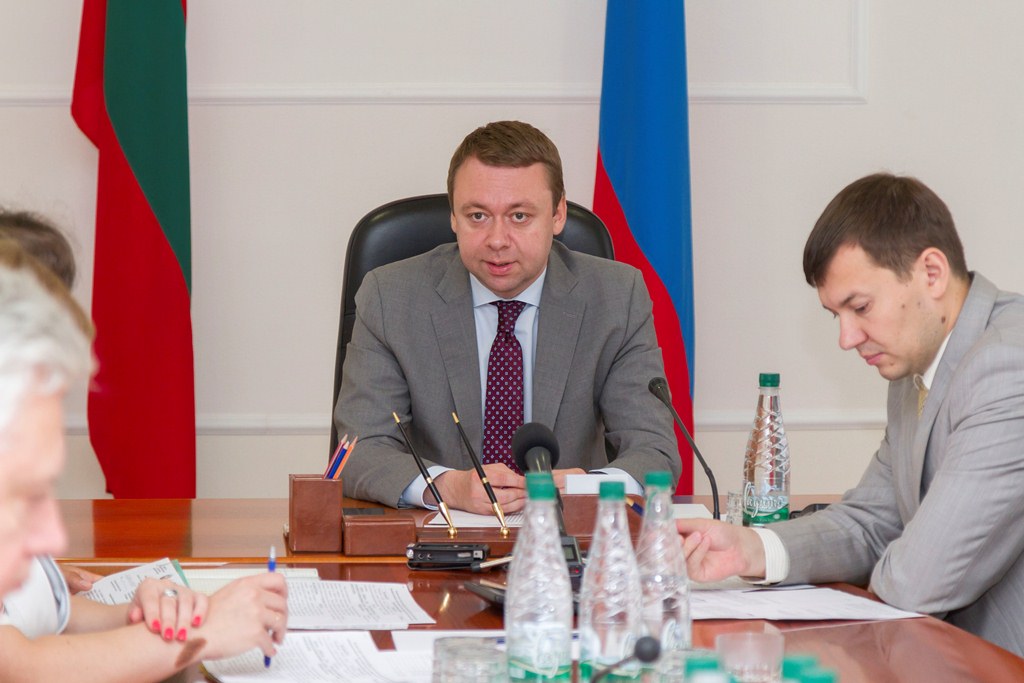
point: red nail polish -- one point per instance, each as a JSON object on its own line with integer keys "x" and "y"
{"x": 197, "y": 621}
{"x": 181, "y": 634}
{"x": 169, "y": 633}
{"x": 156, "y": 626}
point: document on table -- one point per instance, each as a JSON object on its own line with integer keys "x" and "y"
{"x": 800, "y": 604}
{"x": 462, "y": 519}
{"x": 325, "y": 657}
{"x": 356, "y": 605}
{"x": 209, "y": 580}
{"x": 119, "y": 588}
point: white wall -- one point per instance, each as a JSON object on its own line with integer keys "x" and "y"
{"x": 305, "y": 115}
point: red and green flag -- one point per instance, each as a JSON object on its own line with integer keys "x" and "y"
{"x": 130, "y": 100}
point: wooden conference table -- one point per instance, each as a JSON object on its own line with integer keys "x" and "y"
{"x": 106, "y": 534}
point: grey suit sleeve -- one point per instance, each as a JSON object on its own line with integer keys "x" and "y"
{"x": 844, "y": 541}
{"x": 967, "y": 532}
{"x": 373, "y": 385}
{"x": 638, "y": 427}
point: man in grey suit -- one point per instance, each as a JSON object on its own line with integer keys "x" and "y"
{"x": 422, "y": 342}
{"x": 934, "y": 525}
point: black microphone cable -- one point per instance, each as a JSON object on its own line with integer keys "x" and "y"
{"x": 646, "y": 650}
{"x": 659, "y": 387}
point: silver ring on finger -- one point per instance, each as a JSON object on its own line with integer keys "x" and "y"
{"x": 171, "y": 593}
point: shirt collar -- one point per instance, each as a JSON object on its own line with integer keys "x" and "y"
{"x": 531, "y": 295}
{"x": 925, "y": 381}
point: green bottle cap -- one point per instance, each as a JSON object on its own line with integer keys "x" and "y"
{"x": 540, "y": 486}
{"x": 701, "y": 663}
{"x": 612, "y": 490}
{"x": 768, "y": 379}
{"x": 659, "y": 479}
{"x": 794, "y": 665}
{"x": 817, "y": 674}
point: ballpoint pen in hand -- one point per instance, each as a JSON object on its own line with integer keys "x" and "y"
{"x": 498, "y": 512}
{"x": 271, "y": 567}
{"x": 452, "y": 531}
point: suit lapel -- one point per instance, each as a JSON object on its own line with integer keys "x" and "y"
{"x": 561, "y": 316}
{"x": 456, "y": 338}
{"x": 970, "y": 325}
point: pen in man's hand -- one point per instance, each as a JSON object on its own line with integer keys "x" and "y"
{"x": 271, "y": 567}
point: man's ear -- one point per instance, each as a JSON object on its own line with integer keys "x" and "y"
{"x": 936, "y": 270}
{"x": 561, "y": 213}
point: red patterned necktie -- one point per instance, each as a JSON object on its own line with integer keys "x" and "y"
{"x": 503, "y": 407}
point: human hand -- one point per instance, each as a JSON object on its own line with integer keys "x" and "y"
{"x": 79, "y": 580}
{"x": 463, "y": 490}
{"x": 716, "y": 550}
{"x": 559, "y": 476}
{"x": 167, "y": 608}
{"x": 247, "y": 613}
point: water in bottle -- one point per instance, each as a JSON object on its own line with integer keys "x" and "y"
{"x": 538, "y": 605}
{"x": 663, "y": 581}
{"x": 766, "y": 465}
{"x": 611, "y": 601}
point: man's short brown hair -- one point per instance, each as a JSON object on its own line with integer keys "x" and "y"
{"x": 892, "y": 218}
{"x": 509, "y": 144}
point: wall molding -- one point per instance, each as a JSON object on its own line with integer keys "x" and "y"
{"x": 319, "y": 425}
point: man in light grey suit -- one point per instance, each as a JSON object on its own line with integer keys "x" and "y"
{"x": 934, "y": 525}
{"x": 424, "y": 329}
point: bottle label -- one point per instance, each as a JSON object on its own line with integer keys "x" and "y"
{"x": 761, "y": 510}
{"x": 519, "y": 671}
{"x": 589, "y": 669}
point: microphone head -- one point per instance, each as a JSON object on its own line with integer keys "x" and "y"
{"x": 659, "y": 387}
{"x": 533, "y": 435}
{"x": 647, "y": 649}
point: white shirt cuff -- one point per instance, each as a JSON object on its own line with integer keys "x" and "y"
{"x": 776, "y": 557}
{"x": 412, "y": 496}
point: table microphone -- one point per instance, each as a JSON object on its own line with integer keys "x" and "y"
{"x": 646, "y": 650}
{"x": 659, "y": 387}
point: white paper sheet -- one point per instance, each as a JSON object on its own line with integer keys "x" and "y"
{"x": 789, "y": 604}
{"x": 468, "y": 520}
{"x": 210, "y": 580}
{"x": 325, "y": 657}
{"x": 357, "y": 605}
{"x": 119, "y": 588}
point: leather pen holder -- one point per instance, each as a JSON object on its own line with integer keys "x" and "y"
{"x": 314, "y": 513}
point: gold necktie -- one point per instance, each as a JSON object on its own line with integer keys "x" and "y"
{"x": 922, "y": 396}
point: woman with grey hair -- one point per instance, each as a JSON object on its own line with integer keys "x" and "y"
{"x": 45, "y": 633}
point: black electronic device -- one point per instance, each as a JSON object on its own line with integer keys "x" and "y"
{"x": 445, "y": 555}
{"x": 495, "y": 593}
{"x": 573, "y": 560}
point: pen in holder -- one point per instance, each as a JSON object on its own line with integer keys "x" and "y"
{"x": 314, "y": 513}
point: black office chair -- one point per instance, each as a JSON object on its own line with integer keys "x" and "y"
{"x": 409, "y": 227}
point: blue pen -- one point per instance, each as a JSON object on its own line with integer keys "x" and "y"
{"x": 333, "y": 469}
{"x": 271, "y": 566}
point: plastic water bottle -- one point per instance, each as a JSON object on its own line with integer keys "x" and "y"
{"x": 766, "y": 466}
{"x": 611, "y": 602}
{"x": 538, "y": 605}
{"x": 659, "y": 556}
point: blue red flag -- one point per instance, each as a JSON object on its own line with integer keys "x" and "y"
{"x": 642, "y": 189}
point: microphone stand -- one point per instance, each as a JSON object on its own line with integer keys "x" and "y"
{"x": 659, "y": 387}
